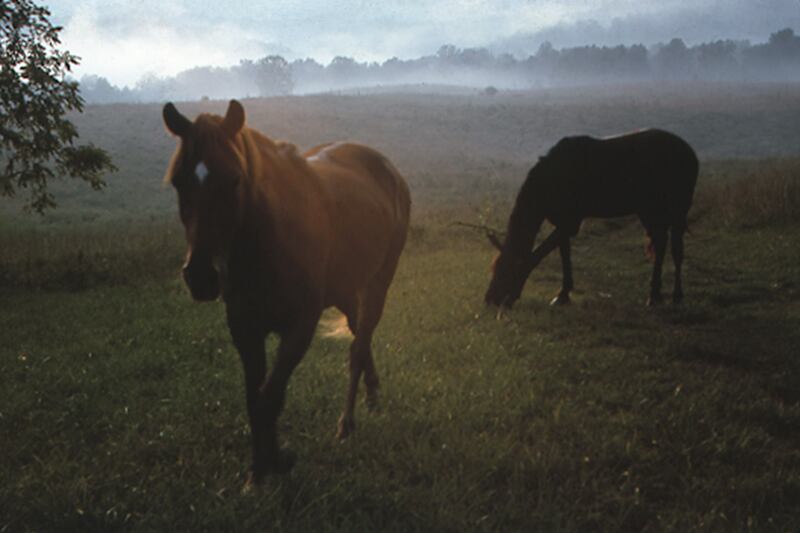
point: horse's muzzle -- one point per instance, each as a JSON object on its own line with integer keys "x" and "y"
{"x": 503, "y": 302}
{"x": 490, "y": 298}
{"x": 202, "y": 279}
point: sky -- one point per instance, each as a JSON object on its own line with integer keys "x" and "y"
{"x": 124, "y": 40}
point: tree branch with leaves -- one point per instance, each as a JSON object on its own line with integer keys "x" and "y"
{"x": 37, "y": 142}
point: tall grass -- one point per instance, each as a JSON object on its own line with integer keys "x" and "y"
{"x": 78, "y": 257}
{"x": 752, "y": 193}
{"x": 73, "y": 254}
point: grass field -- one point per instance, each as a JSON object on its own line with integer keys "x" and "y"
{"x": 122, "y": 403}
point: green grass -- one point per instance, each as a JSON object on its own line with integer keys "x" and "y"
{"x": 122, "y": 403}
{"x": 78, "y": 256}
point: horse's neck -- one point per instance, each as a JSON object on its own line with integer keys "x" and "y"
{"x": 524, "y": 223}
{"x": 280, "y": 181}
{"x": 284, "y": 205}
{"x": 522, "y": 235}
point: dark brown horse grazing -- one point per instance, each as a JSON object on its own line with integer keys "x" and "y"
{"x": 283, "y": 236}
{"x": 650, "y": 173}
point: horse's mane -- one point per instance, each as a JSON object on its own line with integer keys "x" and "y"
{"x": 567, "y": 145}
{"x": 282, "y": 157}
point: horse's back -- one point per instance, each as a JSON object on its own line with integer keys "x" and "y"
{"x": 662, "y": 168}
{"x": 656, "y": 147}
{"x": 652, "y": 151}
{"x": 650, "y": 172}
{"x": 670, "y": 167}
{"x": 370, "y": 205}
{"x": 352, "y": 170}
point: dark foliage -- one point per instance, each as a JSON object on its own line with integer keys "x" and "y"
{"x": 37, "y": 142}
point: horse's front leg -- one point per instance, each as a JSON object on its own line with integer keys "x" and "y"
{"x": 676, "y": 240}
{"x": 558, "y": 238}
{"x": 252, "y": 353}
{"x": 272, "y": 392}
{"x": 659, "y": 236}
{"x": 562, "y": 298}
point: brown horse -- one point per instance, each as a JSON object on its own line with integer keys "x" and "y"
{"x": 282, "y": 236}
{"x": 650, "y": 173}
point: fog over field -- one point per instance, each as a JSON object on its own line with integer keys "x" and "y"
{"x": 448, "y": 145}
{"x": 123, "y": 40}
{"x": 191, "y": 49}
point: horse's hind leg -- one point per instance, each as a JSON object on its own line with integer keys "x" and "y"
{"x": 677, "y": 258}
{"x": 370, "y": 309}
{"x": 562, "y": 297}
{"x": 369, "y": 312}
{"x": 659, "y": 236}
{"x": 377, "y": 297}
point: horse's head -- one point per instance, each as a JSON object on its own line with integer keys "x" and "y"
{"x": 206, "y": 172}
{"x": 515, "y": 260}
{"x": 509, "y": 272}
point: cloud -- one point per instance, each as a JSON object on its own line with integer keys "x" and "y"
{"x": 695, "y": 22}
{"x": 125, "y": 44}
{"x": 125, "y": 39}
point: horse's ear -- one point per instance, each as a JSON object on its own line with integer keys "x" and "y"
{"x": 234, "y": 118}
{"x": 176, "y": 123}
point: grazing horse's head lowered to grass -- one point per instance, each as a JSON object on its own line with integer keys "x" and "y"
{"x": 509, "y": 273}
{"x": 206, "y": 173}
{"x": 650, "y": 173}
{"x": 282, "y": 236}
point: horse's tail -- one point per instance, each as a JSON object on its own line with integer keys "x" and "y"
{"x": 335, "y": 326}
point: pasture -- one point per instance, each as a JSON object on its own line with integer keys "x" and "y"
{"x": 122, "y": 402}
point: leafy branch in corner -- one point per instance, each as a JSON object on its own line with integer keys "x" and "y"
{"x": 37, "y": 142}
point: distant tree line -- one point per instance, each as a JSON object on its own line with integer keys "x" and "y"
{"x": 724, "y": 60}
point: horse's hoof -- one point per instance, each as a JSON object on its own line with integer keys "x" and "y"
{"x": 561, "y": 300}
{"x": 282, "y": 464}
{"x": 345, "y": 428}
{"x": 372, "y": 402}
{"x": 654, "y": 301}
{"x": 251, "y": 483}
{"x": 255, "y": 476}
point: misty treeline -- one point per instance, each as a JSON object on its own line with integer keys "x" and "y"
{"x": 724, "y": 60}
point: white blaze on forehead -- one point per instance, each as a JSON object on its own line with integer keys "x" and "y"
{"x": 201, "y": 171}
